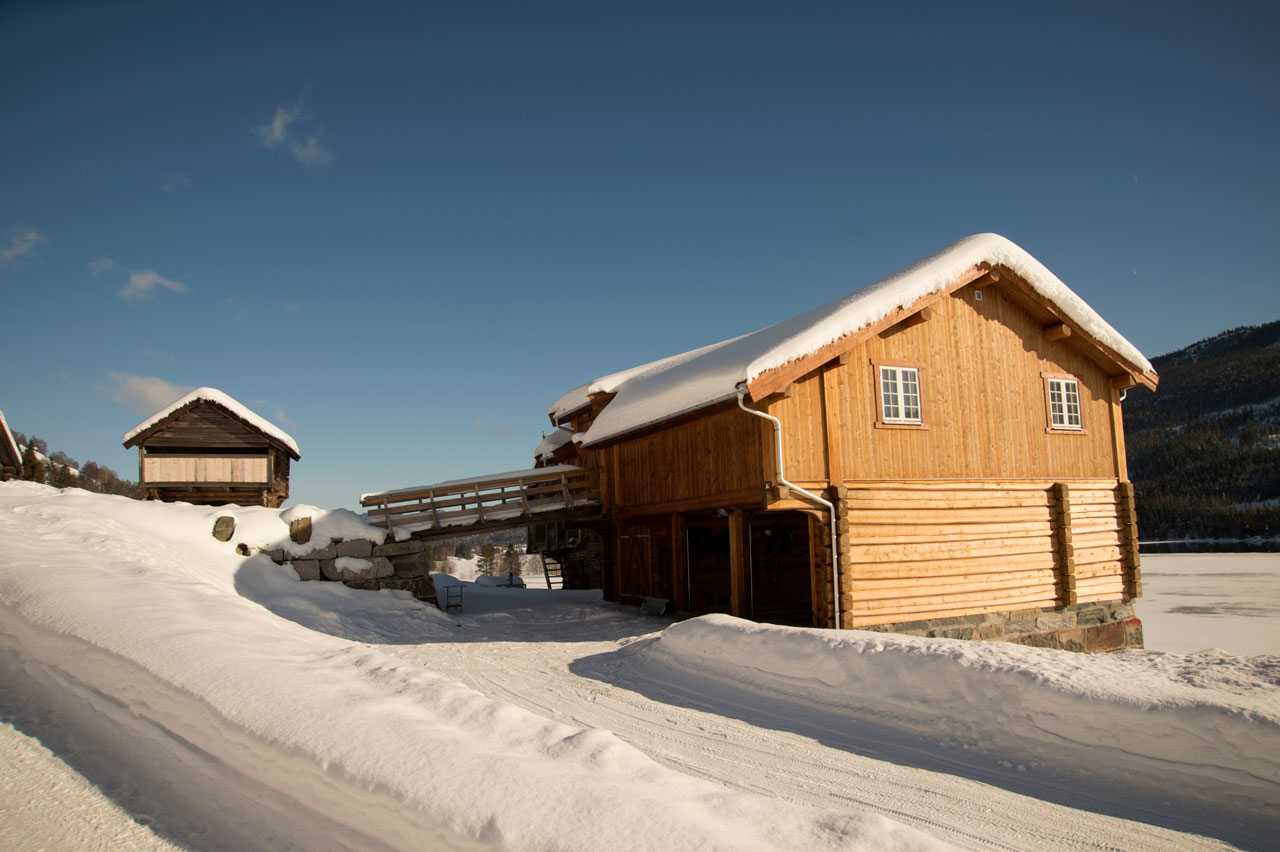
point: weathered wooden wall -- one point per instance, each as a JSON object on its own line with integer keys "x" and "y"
{"x": 206, "y": 426}
{"x": 220, "y": 469}
{"x": 932, "y": 549}
{"x": 717, "y": 458}
{"x": 983, "y": 400}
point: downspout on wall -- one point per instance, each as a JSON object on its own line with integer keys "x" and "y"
{"x": 831, "y": 509}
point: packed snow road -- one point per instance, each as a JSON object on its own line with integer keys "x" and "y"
{"x": 567, "y": 656}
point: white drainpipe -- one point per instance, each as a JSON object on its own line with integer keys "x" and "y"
{"x": 777, "y": 435}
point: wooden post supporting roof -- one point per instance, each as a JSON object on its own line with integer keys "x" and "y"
{"x": 738, "y": 563}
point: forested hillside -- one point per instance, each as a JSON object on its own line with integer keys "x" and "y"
{"x": 1204, "y": 450}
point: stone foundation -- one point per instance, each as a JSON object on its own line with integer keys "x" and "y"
{"x": 1090, "y": 628}
{"x": 361, "y": 564}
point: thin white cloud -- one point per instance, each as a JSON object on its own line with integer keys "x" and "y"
{"x": 311, "y": 152}
{"x": 144, "y": 394}
{"x": 23, "y": 244}
{"x": 151, "y": 352}
{"x": 275, "y": 132}
{"x": 142, "y": 285}
{"x": 97, "y": 267}
{"x": 176, "y": 181}
{"x": 308, "y": 148}
{"x": 277, "y": 415}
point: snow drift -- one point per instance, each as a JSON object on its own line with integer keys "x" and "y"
{"x": 135, "y": 611}
{"x": 1202, "y": 726}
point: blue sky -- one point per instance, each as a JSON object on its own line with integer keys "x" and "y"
{"x": 400, "y": 231}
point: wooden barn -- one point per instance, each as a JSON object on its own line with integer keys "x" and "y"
{"x": 206, "y": 448}
{"x": 938, "y": 453}
{"x": 10, "y": 458}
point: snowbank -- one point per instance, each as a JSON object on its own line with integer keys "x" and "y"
{"x": 1205, "y": 726}
{"x": 136, "y": 607}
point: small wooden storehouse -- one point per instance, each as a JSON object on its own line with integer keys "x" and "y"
{"x": 940, "y": 453}
{"x": 10, "y": 458}
{"x": 206, "y": 448}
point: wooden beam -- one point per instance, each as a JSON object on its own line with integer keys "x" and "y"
{"x": 991, "y": 277}
{"x": 738, "y": 563}
{"x": 919, "y": 317}
{"x": 832, "y": 426}
{"x": 1028, "y": 293}
{"x": 1061, "y": 331}
{"x": 1117, "y": 435}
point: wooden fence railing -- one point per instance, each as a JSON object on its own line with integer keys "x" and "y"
{"x": 499, "y": 497}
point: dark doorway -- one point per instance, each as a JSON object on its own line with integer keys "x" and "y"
{"x": 781, "y": 572}
{"x": 710, "y": 587}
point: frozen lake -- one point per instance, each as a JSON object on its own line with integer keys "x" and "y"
{"x": 1193, "y": 601}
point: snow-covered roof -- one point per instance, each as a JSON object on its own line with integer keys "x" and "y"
{"x": 8, "y": 447}
{"x": 552, "y": 442}
{"x": 661, "y": 390}
{"x": 217, "y": 397}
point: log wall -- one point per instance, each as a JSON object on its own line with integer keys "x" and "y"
{"x": 934, "y": 549}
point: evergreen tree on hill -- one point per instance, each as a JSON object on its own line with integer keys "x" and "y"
{"x": 32, "y": 466}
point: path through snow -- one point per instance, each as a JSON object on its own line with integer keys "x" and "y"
{"x": 567, "y": 656}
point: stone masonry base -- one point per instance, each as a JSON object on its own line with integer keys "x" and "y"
{"x": 1088, "y": 627}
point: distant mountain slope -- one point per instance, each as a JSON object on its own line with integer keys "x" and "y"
{"x": 1204, "y": 450}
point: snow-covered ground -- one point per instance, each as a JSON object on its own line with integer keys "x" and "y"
{"x": 213, "y": 701}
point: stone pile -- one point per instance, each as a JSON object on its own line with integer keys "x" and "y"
{"x": 357, "y": 563}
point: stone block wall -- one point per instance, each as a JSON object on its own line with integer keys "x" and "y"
{"x": 1088, "y": 627}
{"x": 361, "y": 564}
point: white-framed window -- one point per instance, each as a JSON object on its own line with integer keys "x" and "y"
{"x": 900, "y": 395}
{"x": 1064, "y": 403}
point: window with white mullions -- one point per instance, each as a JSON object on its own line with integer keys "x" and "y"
{"x": 1064, "y": 404}
{"x": 900, "y": 394}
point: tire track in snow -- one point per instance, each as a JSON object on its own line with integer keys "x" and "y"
{"x": 528, "y": 663}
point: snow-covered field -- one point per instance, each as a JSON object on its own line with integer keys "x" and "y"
{"x": 160, "y": 691}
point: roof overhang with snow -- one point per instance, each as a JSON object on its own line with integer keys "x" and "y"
{"x": 770, "y": 359}
{"x": 212, "y": 396}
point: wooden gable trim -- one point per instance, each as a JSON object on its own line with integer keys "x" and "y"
{"x": 1066, "y": 327}
{"x": 141, "y": 438}
{"x": 773, "y": 381}
{"x": 981, "y": 275}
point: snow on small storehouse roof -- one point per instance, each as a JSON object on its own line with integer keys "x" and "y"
{"x": 671, "y": 387}
{"x": 217, "y": 397}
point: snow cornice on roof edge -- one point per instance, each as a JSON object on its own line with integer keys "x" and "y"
{"x": 663, "y": 390}
{"x": 222, "y": 400}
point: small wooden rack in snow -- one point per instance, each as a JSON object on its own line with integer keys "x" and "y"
{"x": 492, "y": 502}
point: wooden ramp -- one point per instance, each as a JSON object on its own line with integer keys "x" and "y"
{"x": 495, "y": 502}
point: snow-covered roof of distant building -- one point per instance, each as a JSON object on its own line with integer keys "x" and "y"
{"x": 219, "y": 398}
{"x": 671, "y": 387}
{"x": 7, "y": 444}
{"x": 551, "y": 442}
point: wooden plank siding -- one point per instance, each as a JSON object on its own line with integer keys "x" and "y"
{"x": 934, "y": 549}
{"x": 983, "y": 398}
{"x": 717, "y": 457}
{"x": 166, "y": 469}
{"x": 206, "y": 426}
